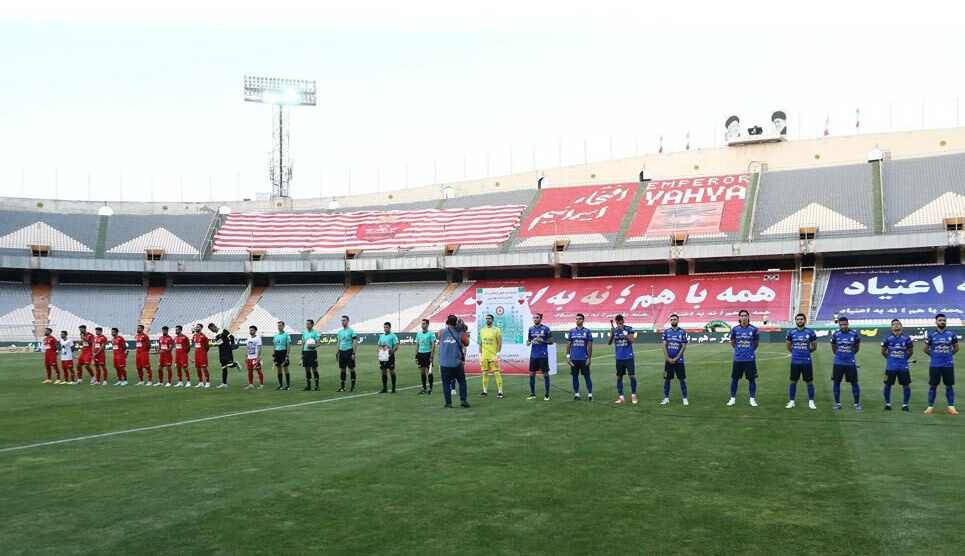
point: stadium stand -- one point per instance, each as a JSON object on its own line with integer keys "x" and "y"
{"x": 75, "y": 234}
{"x": 96, "y": 305}
{"x": 177, "y": 235}
{"x": 186, "y": 305}
{"x": 920, "y": 192}
{"x": 398, "y": 303}
{"x": 16, "y": 311}
{"x": 789, "y": 200}
{"x": 292, "y": 304}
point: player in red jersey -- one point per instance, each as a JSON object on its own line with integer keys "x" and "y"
{"x": 201, "y": 357}
{"x": 100, "y": 355}
{"x": 120, "y": 356}
{"x": 67, "y": 357}
{"x": 51, "y": 349}
{"x": 86, "y": 355}
{"x": 165, "y": 346}
{"x": 182, "y": 345}
{"x": 142, "y": 356}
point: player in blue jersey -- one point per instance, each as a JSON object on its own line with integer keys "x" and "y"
{"x": 941, "y": 345}
{"x": 897, "y": 349}
{"x": 674, "y": 346}
{"x": 744, "y": 338}
{"x": 622, "y": 337}
{"x": 539, "y": 337}
{"x": 845, "y": 344}
{"x": 801, "y": 341}
{"x": 579, "y": 354}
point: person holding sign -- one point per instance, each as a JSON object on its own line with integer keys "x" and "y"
{"x": 490, "y": 344}
{"x": 538, "y": 338}
{"x": 388, "y": 344}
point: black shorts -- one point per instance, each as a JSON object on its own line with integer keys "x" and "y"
{"x": 540, "y": 364}
{"x": 225, "y": 360}
{"x": 945, "y": 375}
{"x": 744, "y": 369}
{"x": 388, "y": 365}
{"x": 848, "y": 372}
{"x": 579, "y": 367}
{"x": 280, "y": 357}
{"x": 346, "y": 359}
{"x": 802, "y": 370}
{"x": 671, "y": 370}
{"x": 625, "y": 367}
{"x": 424, "y": 360}
{"x": 310, "y": 358}
{"x": 903, "y": 377}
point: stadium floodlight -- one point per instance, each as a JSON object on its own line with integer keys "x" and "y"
{"x": 281, "y": 94}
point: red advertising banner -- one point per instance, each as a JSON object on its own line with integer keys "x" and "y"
{"x": 646, "y": 301}
{"x": 695, "y": 206}
{"x": 589, "y": 209}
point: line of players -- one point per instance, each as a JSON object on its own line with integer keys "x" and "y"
{"x": 940, "y": 345}
{"x": 173, "y": 353}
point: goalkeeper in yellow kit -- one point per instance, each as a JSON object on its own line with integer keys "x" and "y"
{"x": 490, "y": 344}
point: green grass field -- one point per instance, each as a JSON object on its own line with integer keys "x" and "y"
{"x": 396, "y": 474}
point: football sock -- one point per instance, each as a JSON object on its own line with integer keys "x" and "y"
{"x": 385, "y": 381}
{"x": 149, "y": 373}
{"x": 315, "y": 376}
{"x": 532, "y": 384}
{"x": 666, "y": 388}
{"x": 950, "y": 396}
{"x": 546, "y": 383}
{"x": 575, "y": 375}
{"x": 792, "y": 391}
{"x": 932, "y": 392}
{"x": 733, "y": 387}
{"x": 683, "y": 388}
{"x": 836, "y": 388}
{"x": 752, "y": 387}
{"x": 887, "y": 394}
{"x": 280, "y": 383}
{"x": 485, "y": 380}
{"x": 140, "y": 375}
{"x": 353, "y": 379}
{"x": 393, "y": 380}
{"x": 308, "y": 377}
{"x": 633, "y": 384}
{"x": 48, "y": 373}
{"x": 431, "y": 380}
{"x": 906, "y": 396}
{"x": 224, "y": 376}
{"x": 499, "y": 380}
{"x": 288, "y": 379}
{"x": 423, "y": 381}
{"x": 342, "y": 377}
{"x": 251, "y": 376}
{"x": 187, "y": 375}
{"x": 586, "y": 379}
{"x": 261, "y": 377}
{"x": 811, "y": 392}
{"x": 620, "y": 386}
{"x": 180, "y": 376}
{"x": 170, "y": 374}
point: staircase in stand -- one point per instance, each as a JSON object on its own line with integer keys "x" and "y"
{"x": 253, "y": 299}
{"x": 807, "y": 290}
{"x": 149, "y": 309}
{"x": 41, "y": 301}
{"x": 432, "y": 307}
{"x": 350, "y": 292}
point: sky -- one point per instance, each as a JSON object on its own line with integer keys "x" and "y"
{"x": 143, "y": 101}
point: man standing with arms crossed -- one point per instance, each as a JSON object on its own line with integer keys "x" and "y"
{"x": 801, "y": 342}
{"x": 282, "y": 342}
{"x": 347, "y": 344}
{"x": 490, "y": 344}
{"x": 426, "y": 342}
{"x": 579, "y": 354}
{"x": 941, "y": 345}
{"x": 674, "y": 345}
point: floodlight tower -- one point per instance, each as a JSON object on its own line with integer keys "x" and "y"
{"x": 280, "y": 94}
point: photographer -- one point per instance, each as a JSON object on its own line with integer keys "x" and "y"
{"x": 452, "y": 355}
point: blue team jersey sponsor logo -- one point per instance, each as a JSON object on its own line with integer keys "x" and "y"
{"x": 539, "y": 350}
{"x": 675, "y": 340}
{"x": 624, "y": 349}
{"x": 940, "y": 344}
{"x": 897, "y": 349}
{"x": 744, "y": 338}
{"x": 579, "y": 339}
{"x": 801, "y": 344}
{"x": 845, "y": 344}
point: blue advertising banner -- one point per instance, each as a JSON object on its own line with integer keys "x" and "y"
{"x": 886, "y": 293}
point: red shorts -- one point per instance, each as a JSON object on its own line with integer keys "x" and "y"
{"x": 85, "y": 358}
{"x": 50, "y": 358}
{"x": 181, "y": 361}
{"x": 164, "y": 360}
{"x": 68, "y": 364}
{"x": 201, "y": 360}
{"x": 142, "y": 359}
{"x": 254, "y": 364}
{"x": 101, "y": 360}
{"x": 120, "y": 362}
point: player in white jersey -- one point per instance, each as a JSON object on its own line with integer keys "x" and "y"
{"x": 253, "y": 359}
{"x": 67, "y": 358}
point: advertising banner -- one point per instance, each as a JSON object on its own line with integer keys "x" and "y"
{"x": 696, "y": 206}
{"x": 887, "y": 293}
{"x": 592, "y": 209}
{"x": 511, "y": 314}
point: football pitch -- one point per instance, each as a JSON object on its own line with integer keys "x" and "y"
{"x": 105, "y": 470}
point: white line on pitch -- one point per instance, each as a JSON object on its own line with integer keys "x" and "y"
{"x": 188, "y": 422}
